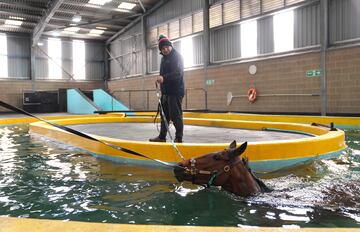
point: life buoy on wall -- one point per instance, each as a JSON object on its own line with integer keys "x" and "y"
{"x": 251, "y": 94}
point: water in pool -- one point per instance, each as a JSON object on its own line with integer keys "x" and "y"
{"x": 43, "y": 179}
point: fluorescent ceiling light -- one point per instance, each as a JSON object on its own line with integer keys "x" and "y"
{"x": 93, "y": 34}
{"x": 72, "y": 29}
{"x": 55, "y": 33}
{"x": 101, "y": 28}
{"x": 76, "y": 18}
{"x": 96, "y": 31}
{"x": 17, "y": 18}
{"x": 40, "y": 44}
{"x": 13, "y": 22}
{"x": 99, "y": 2}
{"x": 127, "y": 5}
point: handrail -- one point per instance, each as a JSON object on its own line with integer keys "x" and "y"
{"x": 130, "y": 91}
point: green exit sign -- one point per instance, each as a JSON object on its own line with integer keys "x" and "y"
{"x": 210, "y": 82}
{"x": 313, "y": 73}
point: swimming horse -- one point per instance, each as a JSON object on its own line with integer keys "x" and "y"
{"x": 225, "y": 168}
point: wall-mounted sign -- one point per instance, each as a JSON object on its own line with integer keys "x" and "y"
{"x": 252, "y": 69}
{"x": 210, "y": 82}
{"x": 313, "y": 73}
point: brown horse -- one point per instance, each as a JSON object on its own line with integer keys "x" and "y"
{"x": 225, "y": 168}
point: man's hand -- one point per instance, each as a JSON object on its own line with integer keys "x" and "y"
{"x": 159, "y": 79}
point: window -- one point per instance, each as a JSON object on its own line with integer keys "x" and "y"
{"x": 78, "y": 49}
{"x": 54, "y": 61}
{"x": 248, "y": 35}
{"x": 187, "y": 51}
{"x": 3, "y": 56}
{"x": 284, "y": 31}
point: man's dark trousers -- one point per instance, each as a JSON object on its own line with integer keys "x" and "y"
{"x": 171, "y": 105}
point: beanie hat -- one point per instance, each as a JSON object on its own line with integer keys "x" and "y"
{"x": 164, "y": 41}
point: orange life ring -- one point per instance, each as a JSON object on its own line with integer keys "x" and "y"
{"x": 251, "y": 94}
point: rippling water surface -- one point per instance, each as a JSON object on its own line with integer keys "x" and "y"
{"x": 42, "y": 179}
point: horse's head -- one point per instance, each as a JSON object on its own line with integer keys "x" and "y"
{"x": 224, "y": 168}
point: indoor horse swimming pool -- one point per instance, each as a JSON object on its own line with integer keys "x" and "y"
{"x": 43, "y": 179}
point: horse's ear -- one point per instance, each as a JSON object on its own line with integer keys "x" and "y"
{"x": 232, "y": 144}
{"x": 241, "y": 149}
{"x": 238, "y": 151}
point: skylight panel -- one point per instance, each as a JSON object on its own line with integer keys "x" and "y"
{"x": 99, "y": 2}
{"x": 72, "y": 29}
{"x": 96, "y": 31}
{"x": 16, "y": 18}
{"x": 127, "y": 5}
{"x": 13, "y": 22}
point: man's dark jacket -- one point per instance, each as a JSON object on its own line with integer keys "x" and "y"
{"x": 172, "y": 69}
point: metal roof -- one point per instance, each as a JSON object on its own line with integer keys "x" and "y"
{"x": 49, "y": 17}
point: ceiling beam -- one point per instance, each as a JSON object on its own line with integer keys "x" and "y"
{"x": 80, "y": 25}
{"x": 142, "y": 5}
{"x": 103, "y": 8}
{"x": 18, "y": 5}
{"x": 138, "y": 19}
{"x": 15, "y": 13}
{"x": 38, "y": 30}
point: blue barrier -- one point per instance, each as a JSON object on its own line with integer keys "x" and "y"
{"x": 78, "y": 103}
{"x": 107, "y": 102}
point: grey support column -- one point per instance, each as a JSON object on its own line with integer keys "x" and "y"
{"x": 106, "y": 68}
{"x": 206, "y": 44}
{"x": 144, "y": 60}
{"x": 32, "y": 67}
{"x": 324, "y": 37}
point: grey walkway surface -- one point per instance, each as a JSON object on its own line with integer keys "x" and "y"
{"x": 6, "y": 115}
{"x": 192, "y": 134}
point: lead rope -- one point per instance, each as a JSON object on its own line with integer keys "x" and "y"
{"x": 166, "y": 123}
{"x": 78, "y": 133}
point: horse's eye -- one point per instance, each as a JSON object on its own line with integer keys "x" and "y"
{"x": 216, "y": 157}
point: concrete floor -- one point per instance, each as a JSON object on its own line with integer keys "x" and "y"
{"x": 192, "y": 134}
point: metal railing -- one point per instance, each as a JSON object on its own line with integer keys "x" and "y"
{"x": 154, "y": 90}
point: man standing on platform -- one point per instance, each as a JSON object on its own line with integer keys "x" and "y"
{"x": 172, "y": 89}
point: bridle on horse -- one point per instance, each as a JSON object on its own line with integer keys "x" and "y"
{"x": 193, "y": 171}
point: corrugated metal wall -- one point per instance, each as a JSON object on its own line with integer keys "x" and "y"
{"x": 94, "y": 57}
{"x": 18, "y": 57}
{"x": 126, "y": 54}
{"x": 225, "y": 35}
{"x": 307, "y": 26}
{"x": 225, "y": 43}
{"x": 173, "y": 9}
{"x": 344, "y": 18}
{"x": 265, "y": 35}
{"x": 226, "y": 40}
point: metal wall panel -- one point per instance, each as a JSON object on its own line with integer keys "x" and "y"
{"x": 41, "y": 61}
{"x": 154, "y": 59}
{"x": 67, "y": 60}
{"x": 173, "y": 9}
{"x": 307, "y": 26}
{"x": 127, "y": 49}
{"x": 265, "y": 35}
{"x": 198, "y": 49}
{"x": 225, "y": 43}
{"x": 344, "y": 18}
{"x": 94, "y": 55}
{"x": 115, "y": 48}
{"x": 18, "y": 57}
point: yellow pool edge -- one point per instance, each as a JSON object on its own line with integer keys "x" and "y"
{"x": 324, "y": 142}
{"x": 9, "y": 224}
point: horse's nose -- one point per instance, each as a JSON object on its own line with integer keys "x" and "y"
{"x": 179, "y": 172}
